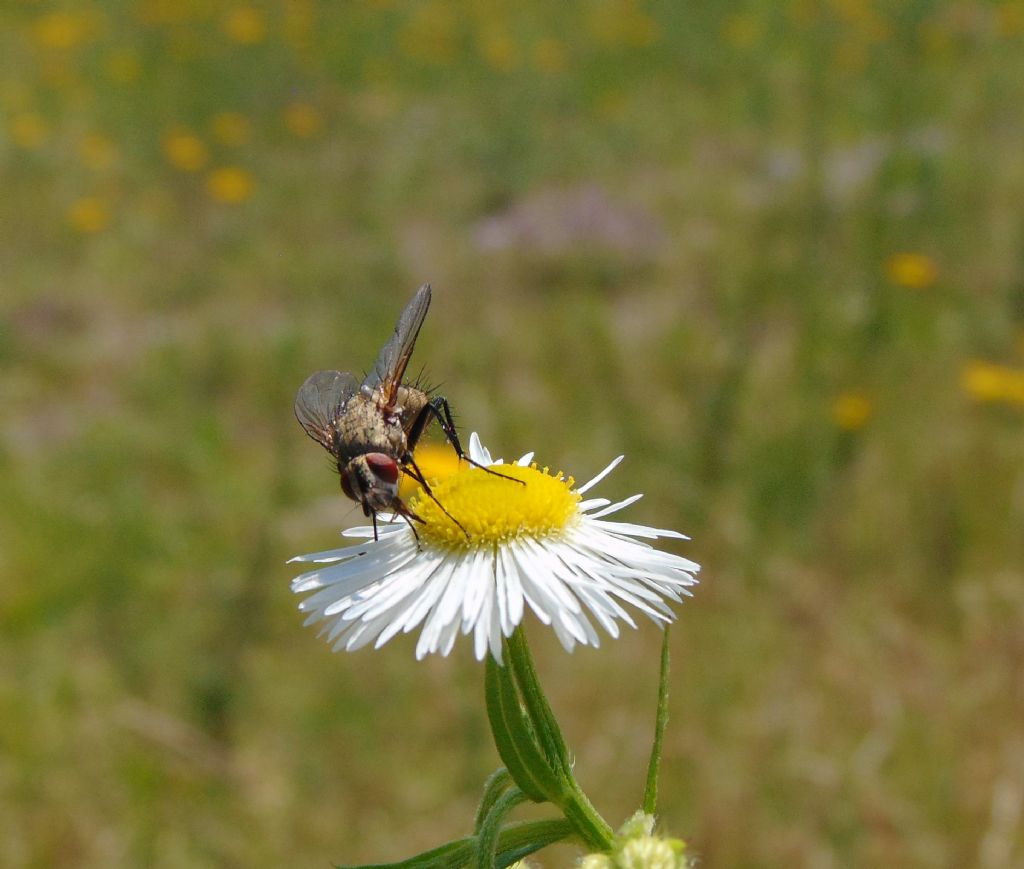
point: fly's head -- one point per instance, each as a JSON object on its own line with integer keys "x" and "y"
{"x": 372, "y": 480}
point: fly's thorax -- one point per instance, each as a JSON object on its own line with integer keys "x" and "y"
{"x": 409, "y": 403}
{"x": 365, "y": 428}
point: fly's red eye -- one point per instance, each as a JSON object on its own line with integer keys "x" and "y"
{"x": 385, "y": 467}
{"x": 346, "y": 485}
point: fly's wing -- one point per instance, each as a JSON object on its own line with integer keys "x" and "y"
{"x": 320, "y": 401}
{"x": 394, "y": 356}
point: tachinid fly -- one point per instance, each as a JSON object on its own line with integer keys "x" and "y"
{"x": 372, "y": 428}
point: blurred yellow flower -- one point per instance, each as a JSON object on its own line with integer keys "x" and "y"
{"x": 436, "y": 461}
{"x": 611, "y": 105}
{"x": 185, "y": 150}
{"x": 229, "y": 184}
{"x": 230, "y": 128}
{"x": 29, "y": 131}
{"x": 60, "y": 30}
{"x": 986, "y": 381}
{"x": 742, "y": 30}
{"x": 851, "y": 56}
{"x": 431, "y": 33}
{"x": 623, "y": 23}
{"x": 915, "y": 271}
{"x": 299, "y": 19}
{"x": 245, "y": 25}
{"x": 89, "y": 215}
{"x": 803, "y": 13}
{"x": 124, "y": 67}
{"x": 550, "y": 56}
{"x": 97, "y": 151}
{"x": 851, "y": 410}
{"x": 498, "y": 49}
{"x": 1009, "y": 18}
{"x": 867, "y": 23}
{"x": 303, "y": 120}
{"x": 939, "y": 41}
{"x": 163, "y": 12}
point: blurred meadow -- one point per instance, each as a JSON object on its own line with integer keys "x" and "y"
{"x": 772, "y": 252}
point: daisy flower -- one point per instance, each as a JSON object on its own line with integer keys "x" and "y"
{"x": 539, "y": 545}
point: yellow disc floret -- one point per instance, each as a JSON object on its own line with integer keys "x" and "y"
{"x": 435, "y": 461}
{"x": 495, "y": 509}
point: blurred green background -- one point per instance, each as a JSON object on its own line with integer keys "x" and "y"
{"x": 770, "y": 251}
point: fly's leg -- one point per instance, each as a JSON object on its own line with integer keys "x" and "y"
{"x": 412, "y": 527}
{"x": 406, "y": 514}
{"x": 412, "y": 469}
{"x": 442, "y": 412}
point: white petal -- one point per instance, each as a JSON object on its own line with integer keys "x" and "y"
{"x": 384, "y": 529}
{"x": 494, "y": 636}
{"x": 614, "y": 508}
{"x": 328, "y": 554}
{"x": 477, "y": 590}
{"x": 595, "y": 480}
{"x": 478, "y": 452}
{"x": 482, "y": 626}
{"x": 513, "y": 587}
{"x": 636, "y": 530}
{"x": 564, "y": 637}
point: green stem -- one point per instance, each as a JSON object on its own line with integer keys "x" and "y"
{"x": 588, "y": 824}
{"x": 661, "y": 720}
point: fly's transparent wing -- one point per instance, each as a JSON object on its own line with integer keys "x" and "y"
{"x": 394, "y": 356}
{"x": 320, "y": 401}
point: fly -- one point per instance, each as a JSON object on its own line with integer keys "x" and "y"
{"x": 371, "y": 428}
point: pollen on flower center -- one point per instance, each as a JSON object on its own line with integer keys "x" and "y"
{"x": 494, "y": 509}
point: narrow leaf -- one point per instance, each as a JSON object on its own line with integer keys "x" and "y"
{"x": 516, "y": 743}
{"x": 536, "y": 704}
{"x": 497, "y": 783}
{"x": 520, "y": 840}
{"x": 514, "y": 842}
{"x": 490, "y": 829}
{"x": 452, "y": 855}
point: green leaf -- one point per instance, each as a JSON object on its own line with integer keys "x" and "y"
{"x": 490, "y": 829}
{"x": 520, "y": 840}
{"x": 547, "y": 771}
{"x": 451, "y": 855}
{"x": 514, "y": 842}
{"x": 514, "y": 738}
{"x": 536, "y": 704}
{"x": 497, "y": 783}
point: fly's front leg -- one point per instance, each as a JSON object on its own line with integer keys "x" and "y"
{"x": 418, "y": 426}
{"x": 443, "y": 413}
{"x": 413, "y": 470}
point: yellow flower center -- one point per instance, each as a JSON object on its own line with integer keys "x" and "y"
{"x": 495, "y": 509}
